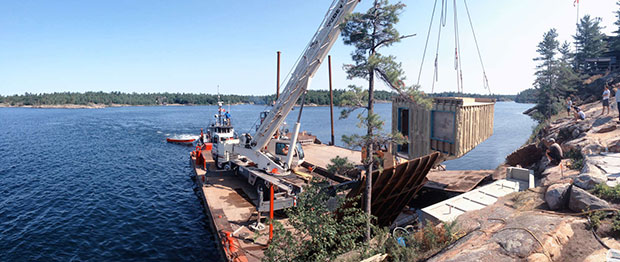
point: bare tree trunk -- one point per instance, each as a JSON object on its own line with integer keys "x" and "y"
{"x": 369, "y": 146}
{"x": 369, "y": 158}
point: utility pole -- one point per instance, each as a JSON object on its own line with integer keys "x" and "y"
{"x": 331, "y": 97}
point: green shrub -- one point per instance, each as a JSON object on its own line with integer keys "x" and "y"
{"x": 606, "y": 192}
{"x": 318, "y": 235}
{"x": 423, "y": 243}
{"x": 595, "y": 219}
{"x": 576, "y": 159}
{"x": 340, "y": 165}
{"x": 616, "y": 223}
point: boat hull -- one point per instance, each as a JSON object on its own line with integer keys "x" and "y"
{"x": 180, "y": 141}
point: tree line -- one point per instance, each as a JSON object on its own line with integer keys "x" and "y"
{"x": 318, "y": 97}
{"x": 563, "y": 71}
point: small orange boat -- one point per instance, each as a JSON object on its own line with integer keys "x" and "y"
{"x": 184, "y": 139}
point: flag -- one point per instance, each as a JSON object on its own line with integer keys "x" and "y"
{"x": 576, "y": 2}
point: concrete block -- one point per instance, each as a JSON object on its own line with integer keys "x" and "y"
{"x": 522, "y": 174}
{"x": 518, "y": 173}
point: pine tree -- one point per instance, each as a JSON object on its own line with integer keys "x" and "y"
{"x": 368, "y": 32}
{"x": 568, "y": 79}
{"x": 589, "y": 40}
{"x": 614, "y": 45}
{"x": 545, "y": 81}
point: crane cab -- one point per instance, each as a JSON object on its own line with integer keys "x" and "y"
{"x": 279, "y": 149}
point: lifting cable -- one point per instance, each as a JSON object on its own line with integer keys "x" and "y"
{"x": 457, "y": 47}
{"x": 442, "y": 23}
{"x": 485, "y": 80}
{"x": 426, "y": 44}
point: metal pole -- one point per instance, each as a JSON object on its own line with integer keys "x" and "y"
{"x": 278, "y": 78}
{"x": 331, "y": 96}
{"x": 271, "y": 212}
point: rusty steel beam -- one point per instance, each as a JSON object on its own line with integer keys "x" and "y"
{"x": 395, "y": 187}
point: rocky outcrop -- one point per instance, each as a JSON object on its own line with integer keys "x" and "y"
{"x": 501, "y": 232}
{"x": 525, "y": 156}
{"x": 580, "y": 200}
{"x": 588, "y": 181}
{"x": 517, "y": 227}
{"x": 557, "y": 196}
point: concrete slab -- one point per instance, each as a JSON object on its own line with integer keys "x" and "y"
{"x": 448, "y": 210}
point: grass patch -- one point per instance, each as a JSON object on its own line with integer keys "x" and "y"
{"x": 615, "y": 226}
{"x": 576, "y": 159}
{"x": 423, "y": 243}
{"x": 606, "y": 192}
{"x": 595, "y": 219}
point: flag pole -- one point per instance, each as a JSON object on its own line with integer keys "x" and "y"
{"x": 577, "y": 2}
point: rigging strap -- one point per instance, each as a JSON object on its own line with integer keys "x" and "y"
{"x": 442, "y": 23}
{"x": 426, "y": 43}
{"x": 457, "y": 47}
{"x": 485, "y": 80}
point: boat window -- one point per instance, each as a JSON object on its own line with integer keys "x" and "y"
{"x": 281, "y": 149}
{"x": 300, "y": 151}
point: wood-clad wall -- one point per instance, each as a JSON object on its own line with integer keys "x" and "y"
{"x": 473, "y": 121}
{"x": 419, "y": 128}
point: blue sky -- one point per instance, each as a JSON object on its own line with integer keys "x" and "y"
{"x": 194, "y": 46}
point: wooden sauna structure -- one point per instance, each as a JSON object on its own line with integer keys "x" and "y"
{"x": 453, "y": 126}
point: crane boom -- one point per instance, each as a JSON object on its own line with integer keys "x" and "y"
{"x": 305, "y": 69}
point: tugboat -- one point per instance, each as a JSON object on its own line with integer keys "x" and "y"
{"x": 221, "y": 134}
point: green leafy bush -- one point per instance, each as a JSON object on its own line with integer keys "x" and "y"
{"x": 576, "y": 159}
{"x": 606, "y": 192}
{"x": 318, "y": 234}
{"x": 425, "y": 242}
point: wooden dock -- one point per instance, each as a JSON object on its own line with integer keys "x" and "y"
{"x": 316, "y": 154}
{"x": 227, "y": 201}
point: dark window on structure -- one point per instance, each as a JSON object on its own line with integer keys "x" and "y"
{"x": 281, "y": 149}
{"x": 403, "y": 128}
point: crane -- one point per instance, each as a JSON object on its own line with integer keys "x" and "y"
{"x": 257, "y": 149}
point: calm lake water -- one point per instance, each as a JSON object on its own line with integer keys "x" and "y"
{"x": 103, "y": 185}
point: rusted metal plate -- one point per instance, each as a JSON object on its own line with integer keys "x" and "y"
{"x": 393, "y": 188}
{"x": 459, "y": 181}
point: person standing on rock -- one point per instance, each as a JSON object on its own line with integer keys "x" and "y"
{"x": 569, "y": 104}
{"x": 554, "y": 152}
{"x": 606, "y": 95}
{"x": 618, "y": 101}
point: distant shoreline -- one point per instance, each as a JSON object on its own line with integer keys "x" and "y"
{"x": 76, "y": 106}
{"x": 100, "y": 106}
